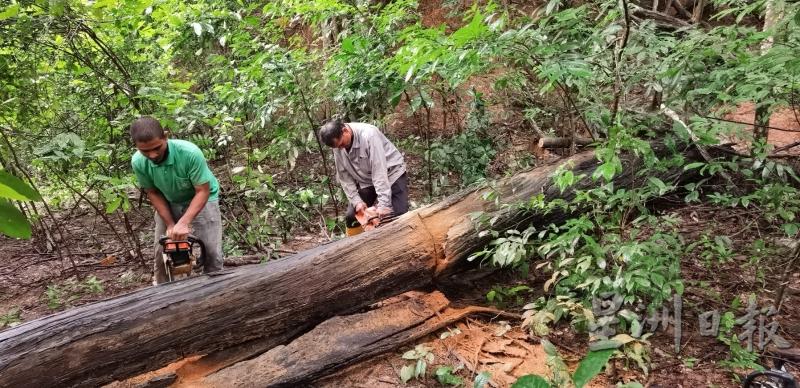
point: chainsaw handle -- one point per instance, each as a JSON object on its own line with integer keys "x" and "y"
{"x": 190, "y": 239}
{"x": 382, "y": 219}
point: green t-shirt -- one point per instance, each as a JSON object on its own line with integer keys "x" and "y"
{"x": 176, "y": 177}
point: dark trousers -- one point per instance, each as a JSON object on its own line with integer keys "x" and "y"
{"x": 369, "y": 196}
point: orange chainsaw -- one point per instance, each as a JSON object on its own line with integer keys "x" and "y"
{"x": 178, "y": 256}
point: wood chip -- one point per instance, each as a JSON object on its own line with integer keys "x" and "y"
{"x": 108, "y": 260}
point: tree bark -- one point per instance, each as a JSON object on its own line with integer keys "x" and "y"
{"x": 269, "y": 305}
{"x": 680, "y": 9}
{"x": 343, "y": 341}
{"x": 330, "y": 344}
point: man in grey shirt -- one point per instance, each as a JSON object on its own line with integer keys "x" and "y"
{"x": 370, "y": 169}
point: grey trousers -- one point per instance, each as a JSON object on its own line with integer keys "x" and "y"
{"x": 207, "y": 226}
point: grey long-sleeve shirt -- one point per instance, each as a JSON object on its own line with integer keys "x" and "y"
{"x": 372, "y": 161}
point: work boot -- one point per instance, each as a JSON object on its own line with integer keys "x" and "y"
{"x": 350, "y": 232}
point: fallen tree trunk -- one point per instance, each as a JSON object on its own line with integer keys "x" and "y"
{"x": 331, "y": 344}
{"x": 343, "y": 341}
{"x": 269, "y": 305}
{"x": 561, "y": 142}
{"x": 541, "y": 144}
{"x": 662, "y": 20}
{"x": 334, "y": 344}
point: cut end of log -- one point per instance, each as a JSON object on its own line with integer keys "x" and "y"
{"x": 540, "y": 145}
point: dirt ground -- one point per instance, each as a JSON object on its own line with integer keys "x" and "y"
{"x": 713, "y": 285}
{"x": 785, "y": 125}
{"x": 39, "y": 278}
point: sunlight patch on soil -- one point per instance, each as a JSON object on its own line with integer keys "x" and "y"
{"x": 784, "y": 118}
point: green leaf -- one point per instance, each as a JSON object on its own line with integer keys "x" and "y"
{"x": 198, "y": 29}
{"x": 590, "y": 366}
{"x": 406, "y": 373}
{"x": 347, "y": 45}
{"x": 549, "y": 348}
{"x": 531, "y": 381}
{"x": 662, "y": 187}
{"x": 481, "y": 380}
{"x": 469, "y": 32}
{"x": 691, "y": 166}
{"x": 606, "y": 170}
{"x": 113, "y": 205}
{"x": 552, "y": 6}
{"x": 579, "y": 72}
{"x": 603, "y": 345}
{"x": 410, "y": 74}
{"x": 12, "y": 222}
{"x": 57, "y": 7}
{"x": 419, "y": 370}
{"x": 14, "y": 188}
{"x": 9, "y": 11}
{"x": 104, "y": 3}
{"x": 444, "y": 375}
{"x": 790, "y": 229}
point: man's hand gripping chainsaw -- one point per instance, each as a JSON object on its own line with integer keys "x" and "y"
{"x": 372, "y": 217}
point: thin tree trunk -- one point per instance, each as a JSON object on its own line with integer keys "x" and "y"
{"x": 313, "y": 127}
{"x": 697, "y": 14}
{"x": 60, "y": 232}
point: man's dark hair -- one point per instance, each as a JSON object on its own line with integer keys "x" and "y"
{"x": 331, "y": 131}
{"x": 146, "y": 128}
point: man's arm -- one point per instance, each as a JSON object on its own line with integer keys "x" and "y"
{"x": 348, "y": 184}
{"x": 200, "y": 176}
{"x": 182, "y": 228}
{"x": 380, "y": 177}
{"x": 162, "y": 207}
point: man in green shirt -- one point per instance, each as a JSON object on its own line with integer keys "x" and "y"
{"x": 181, "y": 188}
